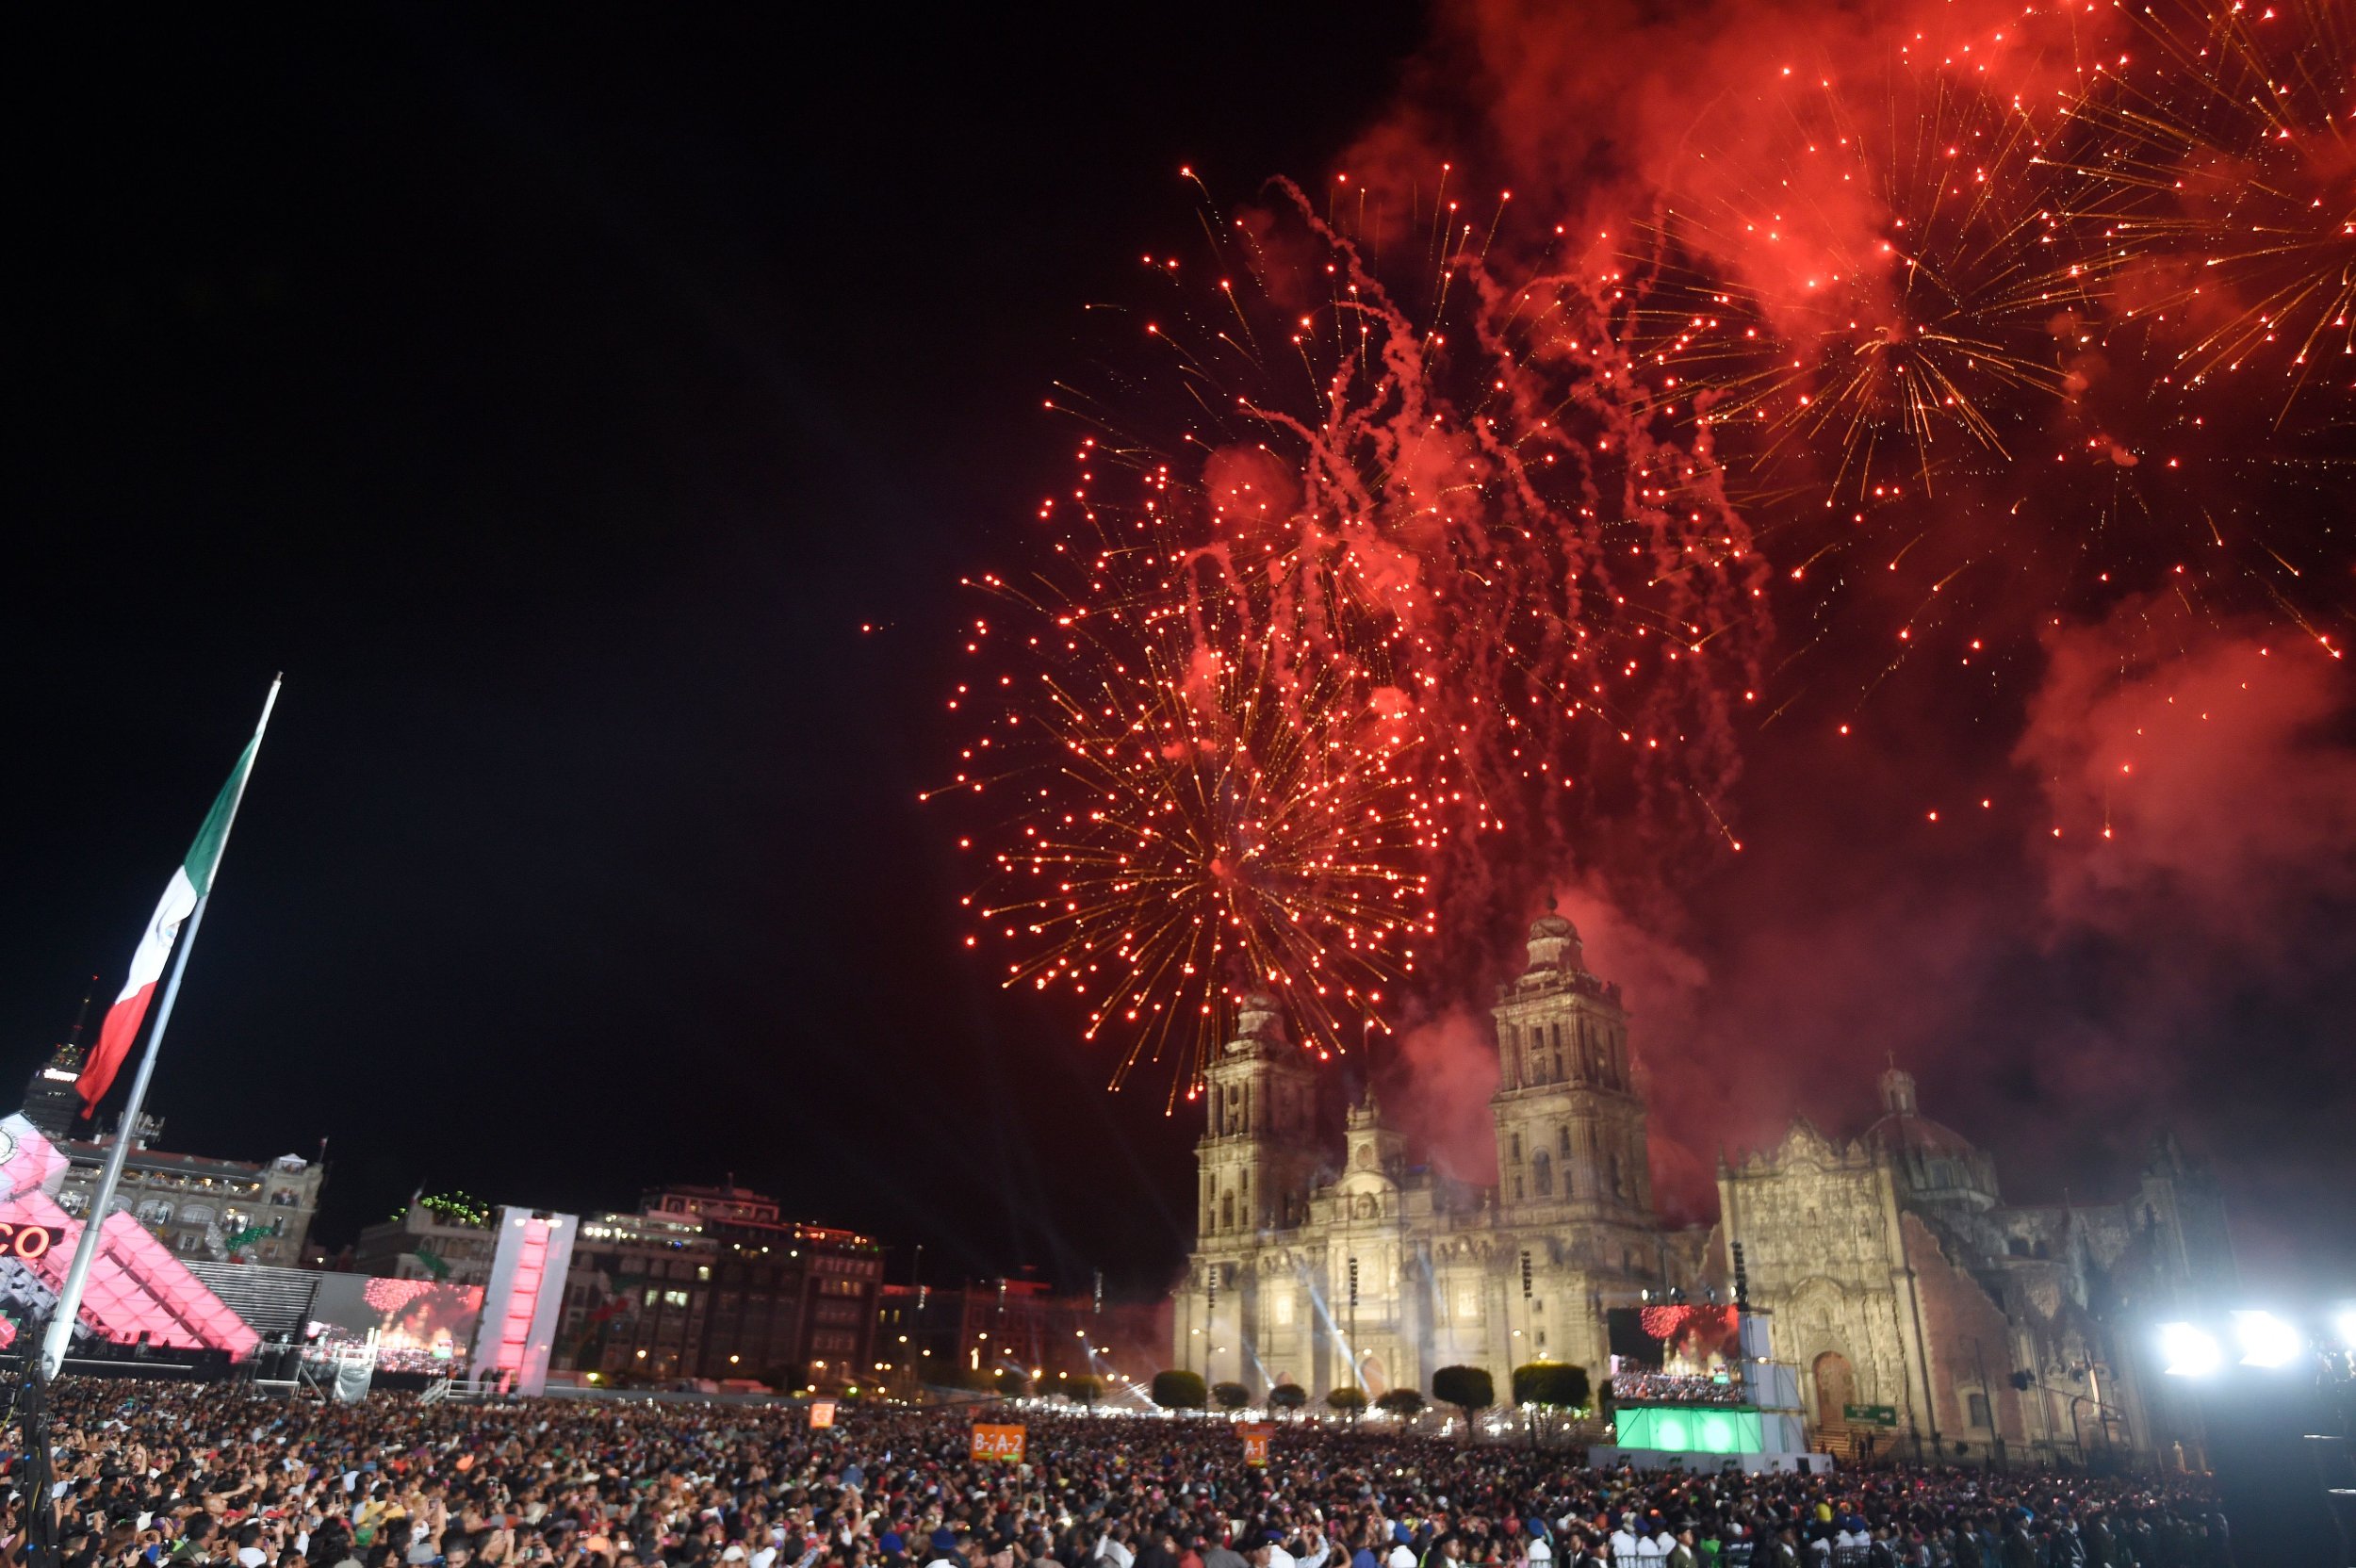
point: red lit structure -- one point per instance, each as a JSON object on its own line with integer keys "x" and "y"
{"x": 137, "y": 1290}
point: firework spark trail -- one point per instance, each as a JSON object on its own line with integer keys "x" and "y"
{"x": 1945, "y": 325}
{"x": 1199, "y": 822}
{"x": 2220, "y": 153}
{"x": 1457, "y": 570}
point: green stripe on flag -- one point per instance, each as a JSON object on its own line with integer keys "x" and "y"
{"x": 205, "y": 854}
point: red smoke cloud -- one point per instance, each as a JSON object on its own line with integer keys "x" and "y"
{"x": 2201, "y": 794}
{"x": 2174, "y": 952}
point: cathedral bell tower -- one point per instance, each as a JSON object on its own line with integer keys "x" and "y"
{"x": 1258, "y": 1153}
{"x": 1569, "y": 1125}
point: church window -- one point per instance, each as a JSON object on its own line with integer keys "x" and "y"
{"x": 1979, "y": 1412}
{"x": 1227, "y": 1211}
{"x": 1542, "y": 1174}
{"x": 1563, "y": 1140}
{"x": 1467, "y": 1303}
{"x": 1283, "y": 1309}
{"x": 1513, "y": 1146}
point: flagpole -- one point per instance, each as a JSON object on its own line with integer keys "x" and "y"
{"x": 61, "y": 1334}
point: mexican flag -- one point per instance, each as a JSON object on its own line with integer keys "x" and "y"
{"x": 193, "y": 881}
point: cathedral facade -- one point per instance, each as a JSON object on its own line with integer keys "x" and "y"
{"x": 1919, "y": 1311}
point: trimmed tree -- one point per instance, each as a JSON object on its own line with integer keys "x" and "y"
{"x": 1470, "y": 1389}
{"x": 1405, "y": 1403}
{"x": 1011, "y": 1384}
{"x": 1347, "y": 1400}
{"x": 1230, "y": 1396}
{"x": 1086, "y": 1389}
{"x": 1176, "y": 1389}
{"x": 1290, "y": 1398}
{"x": 1549, "y": 1390}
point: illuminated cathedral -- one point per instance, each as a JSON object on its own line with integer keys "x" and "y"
{"x": 1918, "y": 1309}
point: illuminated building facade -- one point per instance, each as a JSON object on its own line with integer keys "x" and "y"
{"x": 196, "y": 1205}
{"x": 1901, "y": 1281}
{"x": 1917, "y": 1308}
{"x": 432, "y": 1238}
{"x": 713, "y": 1283}
{"x": 1375, "y": 1273}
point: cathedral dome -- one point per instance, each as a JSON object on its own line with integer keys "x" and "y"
{"x": 1259, "y": 1017}
{"x": 1904, "y": 1126}
{"x": 1553, "y": 941}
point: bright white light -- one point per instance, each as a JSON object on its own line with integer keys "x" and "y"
{"x": 2266, "y": 1339}
{"x": 2189, "y": 1350}
{"x": 2345, "y": 1324}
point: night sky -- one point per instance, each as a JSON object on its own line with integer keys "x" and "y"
{"x": 553, "y": 401}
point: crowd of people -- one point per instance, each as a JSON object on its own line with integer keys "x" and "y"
{"x": 189, "y": 1475}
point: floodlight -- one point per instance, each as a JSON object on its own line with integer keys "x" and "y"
{"x": 2345, "y": 1325}
{"x": 2190, "y": 1351}
{"x": 2266, "y": 1339}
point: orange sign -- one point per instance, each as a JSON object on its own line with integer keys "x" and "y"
{"x": 993, "y": 1440}
{"x": 820, "y": 1414}
{"x": 1255, "y": 1444}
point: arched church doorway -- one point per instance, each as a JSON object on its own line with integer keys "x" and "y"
{"x": 1836, "y": 1387}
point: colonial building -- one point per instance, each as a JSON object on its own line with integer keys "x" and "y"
{"x": 1917, "y": 1307}
{"x": 714, "y": 1284}
{"x": 1901, "y": 1284}
{"x": 198, "y": 1205}
{"x": 440, "y": 1237}
{"x": 1377, "y": 1273}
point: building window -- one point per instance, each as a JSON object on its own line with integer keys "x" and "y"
{"x": 1227, "y": 1211}
{"x": 1283, "y": 1309}
{"x": 1467, "y": 1303}
{"x": 1978, "y": 1403}
{"x": 1542, "y": 1173}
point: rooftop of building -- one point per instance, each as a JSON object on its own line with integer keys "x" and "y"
{"x": 1902, "y": 1127}
{"x": 94, "y": 1151}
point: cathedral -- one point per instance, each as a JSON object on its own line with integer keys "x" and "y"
{"x": 1919, "y": 1312}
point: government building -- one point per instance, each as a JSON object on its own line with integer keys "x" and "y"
{"x": 1921, "y": 1311}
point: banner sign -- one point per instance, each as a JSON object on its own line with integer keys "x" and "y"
{"x": 1255, "y": 1438}
{"x": 998, "y": 1440}
{"x": 1870, "y": 1415}
{"x": 26, "y": 1241}
{"x": 821, "y": 1414}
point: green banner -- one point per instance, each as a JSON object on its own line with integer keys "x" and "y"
{"x": 1870, "y": 1415}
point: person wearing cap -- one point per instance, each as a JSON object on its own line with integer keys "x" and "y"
{"x": 945, "y": 1553}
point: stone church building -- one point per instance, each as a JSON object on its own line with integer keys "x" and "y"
{"x": 1903, "y": 1289}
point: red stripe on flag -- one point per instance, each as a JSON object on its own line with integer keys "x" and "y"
{"x": 114, "y": 1044}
